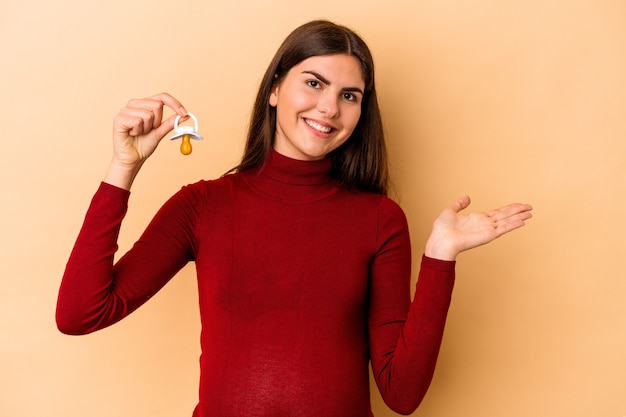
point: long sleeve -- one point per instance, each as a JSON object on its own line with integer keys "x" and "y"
{"x": 405, "y": 336}
{"x": 95, "y": 292}
{"x": 301, "y": 283}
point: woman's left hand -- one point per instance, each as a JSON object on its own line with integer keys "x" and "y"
{"x": 454, "y": 232}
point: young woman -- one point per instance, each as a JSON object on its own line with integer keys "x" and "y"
{"x": 303, "y": 263}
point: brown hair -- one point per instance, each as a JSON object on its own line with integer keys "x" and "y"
{"x": 361, "y": 162}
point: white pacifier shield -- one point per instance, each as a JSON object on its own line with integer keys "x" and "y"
{"x": 192, "y": 131}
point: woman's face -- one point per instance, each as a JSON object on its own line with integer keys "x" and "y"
{"x": 318, "y": 105}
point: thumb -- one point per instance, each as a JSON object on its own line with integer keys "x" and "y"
{"x": 166, "y": 127}
{"x": 461, "y": 203}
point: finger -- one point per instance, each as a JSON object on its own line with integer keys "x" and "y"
{"x": 508, "y": 211}
{"x": 157, "y": 116}
{"x": 128, "y": 125}
{"x": 512, "y": 222}
{"x": 509, "y": 225}
{"x": 145, "y": 114}
{"x": 155, "y": 105}
{"x": 166, "y": 127}
{"x": 171, "y": 102}
{"x": 522, "y": 216}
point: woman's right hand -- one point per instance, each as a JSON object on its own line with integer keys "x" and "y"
{"x": 137, "y": 131}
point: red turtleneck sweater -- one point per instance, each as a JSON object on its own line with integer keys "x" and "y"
{"x": 301, "y": 283}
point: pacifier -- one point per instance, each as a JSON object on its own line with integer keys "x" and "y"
{"x": 187, "y": 133}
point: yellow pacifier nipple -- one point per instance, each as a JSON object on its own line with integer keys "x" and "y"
{"x": 185, "y": 146}
{"x": 187, "y": 133}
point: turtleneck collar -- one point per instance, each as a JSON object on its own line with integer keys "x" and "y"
{"x": 293, "y": 180}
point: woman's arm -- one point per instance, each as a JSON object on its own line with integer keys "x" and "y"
{"x": 137, "y": 131}
{"x": 405, "y": 336}
{"x": 94, "y": 292}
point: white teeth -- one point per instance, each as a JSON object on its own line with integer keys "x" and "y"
{"x": 318, "y": 126}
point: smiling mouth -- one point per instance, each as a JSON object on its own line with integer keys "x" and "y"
{"x": 318, "y": 127}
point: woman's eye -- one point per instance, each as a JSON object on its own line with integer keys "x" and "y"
{"x": 314, "y": 84}
{"x": 349, "y": 96}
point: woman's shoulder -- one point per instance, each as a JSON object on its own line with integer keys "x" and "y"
{"x": 206, "y": 189}
{"x": 381, "y": 206}
{"x": 226, "y": 180}
{"x": 391, "y": 210}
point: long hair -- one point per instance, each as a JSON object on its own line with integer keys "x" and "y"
{"x": 361, "y": 162}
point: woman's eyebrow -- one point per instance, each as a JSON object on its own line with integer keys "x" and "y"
{"x": 325, "y": 81}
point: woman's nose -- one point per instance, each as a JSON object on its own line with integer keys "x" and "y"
{"x": 328, "y": 105}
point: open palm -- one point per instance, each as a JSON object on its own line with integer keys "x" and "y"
{"x": 454, "y": 232}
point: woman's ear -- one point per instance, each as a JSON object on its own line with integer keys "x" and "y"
{"x": 274, "y": 92}
{"x": 274, "y": 95}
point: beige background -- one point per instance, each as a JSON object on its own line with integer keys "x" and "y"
{"x": 503, "y": 100}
